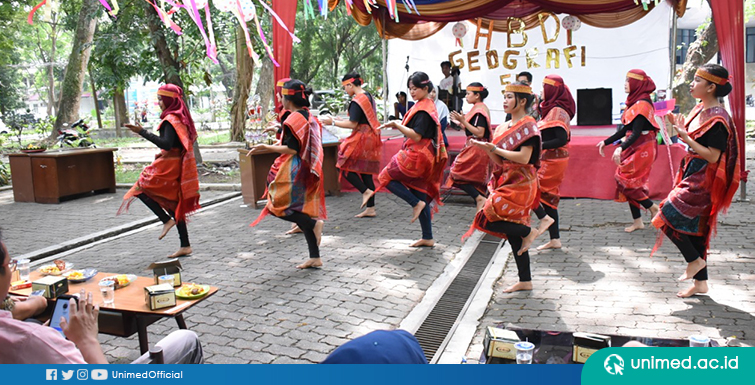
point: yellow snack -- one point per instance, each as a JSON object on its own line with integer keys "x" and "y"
{"x": 75, "y": 275}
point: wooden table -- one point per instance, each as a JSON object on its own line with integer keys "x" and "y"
{"x": 254, "y": 170}
{"x": 129, "y": 313}
{"x": 47, "y": 177}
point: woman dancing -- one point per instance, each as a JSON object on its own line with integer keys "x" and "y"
{"x": 297, "y": 193}
{"x": 414, "y": 173}
{"x": 556, "y": 110}
{"x": 707, "y": 179}
{"x": 359, "y": 154}
{"x": 170, "y": 185}
{"x": 637, "y": 153}
{"x": 471, "y": 168}
{"x": 515, "y": 151}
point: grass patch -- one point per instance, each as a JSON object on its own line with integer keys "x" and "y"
{"x": 214, "y": 138}
{"x": 128, "y": 173}
{"x": 118, "y": 142}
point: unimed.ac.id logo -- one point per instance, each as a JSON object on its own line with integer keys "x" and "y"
{"x": 614, "y": 364}
{"x": 99, "y": 374}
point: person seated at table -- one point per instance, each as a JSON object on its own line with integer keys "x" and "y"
{"x": 29, "y": 343}
{"x": 379, "y": 347}
{"x": 400, "y": 107}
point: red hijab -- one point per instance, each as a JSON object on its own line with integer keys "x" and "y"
{"x": 172, "y": 96}
{"x": 640, "y": 86}
{"x": 556, "y": 94}
{"x": 278, "y": 89}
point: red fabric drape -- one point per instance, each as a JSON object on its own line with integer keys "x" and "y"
{"x": 282, "y": 42}
{"x": 729, "y": 19}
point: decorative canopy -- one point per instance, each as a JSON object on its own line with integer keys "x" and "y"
{"x": 431, "y": 16}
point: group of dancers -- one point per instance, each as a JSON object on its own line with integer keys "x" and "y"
{"x": 510, "y": 170}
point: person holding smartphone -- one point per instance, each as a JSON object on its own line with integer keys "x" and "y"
{"x": 30, "y": 343}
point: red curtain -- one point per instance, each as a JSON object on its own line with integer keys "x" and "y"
{"x": 282, "y": 42}
{"x": 729, "y": 19}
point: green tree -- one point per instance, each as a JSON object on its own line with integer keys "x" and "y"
{"x": 332, "y": 47}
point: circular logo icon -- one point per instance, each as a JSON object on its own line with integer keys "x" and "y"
{"x": 614, "y": 364}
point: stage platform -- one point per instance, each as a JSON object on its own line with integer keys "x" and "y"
{"x": 588, "y": 175}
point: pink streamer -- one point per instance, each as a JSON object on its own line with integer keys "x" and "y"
{"x": 194, "y": 14}
{"x": 264, "y": 41}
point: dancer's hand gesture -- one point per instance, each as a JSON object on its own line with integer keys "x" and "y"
{"x": 600, "y": 146}
{"x": 617, "y": 156}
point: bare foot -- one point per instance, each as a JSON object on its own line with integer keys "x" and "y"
{"x": 417, "y": 210}
{"x": 637, "y": 225}
{"x": 545, "y": 223}
{"x": 166, "y": 227}
{"x": 654, "y": 210}
{"x": 366, "y": 197}
{"x": 480, "y": 202}
{"x": 700, "y": 287}
{"x": 552, "y": 244}
{"x": 318, "y": 231}
{"x": 181, "y": 252}
{"x": 424, "y": 243}
{"x": 294, "y": 229}
{"x": 693, "y": 268}
{"x": 519, "y": 286}
{"x": 311, "y": 263}
{"x": 367, "y": 213}
{"x": 527, "y": 241}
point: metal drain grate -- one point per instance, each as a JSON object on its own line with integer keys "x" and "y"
{"x": 440, "y": 323}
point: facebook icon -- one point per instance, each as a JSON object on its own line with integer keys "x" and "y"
{"x": 51, "y": 375}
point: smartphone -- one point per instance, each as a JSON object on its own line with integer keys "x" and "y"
{"x": 61, "y": 310}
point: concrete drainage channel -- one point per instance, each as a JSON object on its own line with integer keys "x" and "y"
{"x": 113, "y": 232}
{"x": 446, "y": 319}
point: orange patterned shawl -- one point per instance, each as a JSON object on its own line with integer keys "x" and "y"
{"x": 171, "y": 180}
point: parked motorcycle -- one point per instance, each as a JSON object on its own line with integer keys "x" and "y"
{"x": 76, "y": 136}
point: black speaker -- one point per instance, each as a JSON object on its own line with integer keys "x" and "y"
{"x": 594, "y": 107}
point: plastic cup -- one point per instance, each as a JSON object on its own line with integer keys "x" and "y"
{"x": 165, "y": 279}
{"x": 107, "y": 289}
{"x": 24, "y": 269}
{"x": 699, "y": 341}
{"x": 524, "y": 351}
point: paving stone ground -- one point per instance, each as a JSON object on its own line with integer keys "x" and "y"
{"x": 604, "y": 280}
{"x": 266, "y": 310}
{"x": 32, "y": 226}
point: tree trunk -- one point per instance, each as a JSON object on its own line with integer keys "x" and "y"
{"x": 121, "y": 111}
{"x": 51, "y": 104}
{"x": 265, "y": 84}
{"x": 244, "y": 72}
{"x": 70, "y": 94}
{"x": 96, "y": 99}
{"x": 699, "y": 53}
{"x": 226, "y": 80}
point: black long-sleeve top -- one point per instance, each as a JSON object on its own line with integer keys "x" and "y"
{"x": 554, "y": 137}
{"x": 168, "y": 138}
{"x": 639, "y": 125}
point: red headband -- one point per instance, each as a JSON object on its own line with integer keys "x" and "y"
{"x": 710, "y": 77}
{"x": 351, "y": 80}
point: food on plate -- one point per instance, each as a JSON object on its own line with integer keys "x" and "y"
{"x": 60, "y": 264}
{"x": 121, "y": 280}
{"x": 76, "y": 274}
{"x": 51, "y": 270}
{"x": 192, "y": 290}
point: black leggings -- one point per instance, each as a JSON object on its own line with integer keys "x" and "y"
{"x": 469, "y": 189}
{"x": 544, "y": 210}
{"x": 165, "y": 216}
{"x": 692, "y": 248}
{"x": 636, "y": 214}
{"x": 362, "y": 183}
{"x": 307, "y": 226}
{"x": 515, "y": 232}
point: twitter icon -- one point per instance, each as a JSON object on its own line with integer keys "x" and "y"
{"x": 67, "y": 374}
